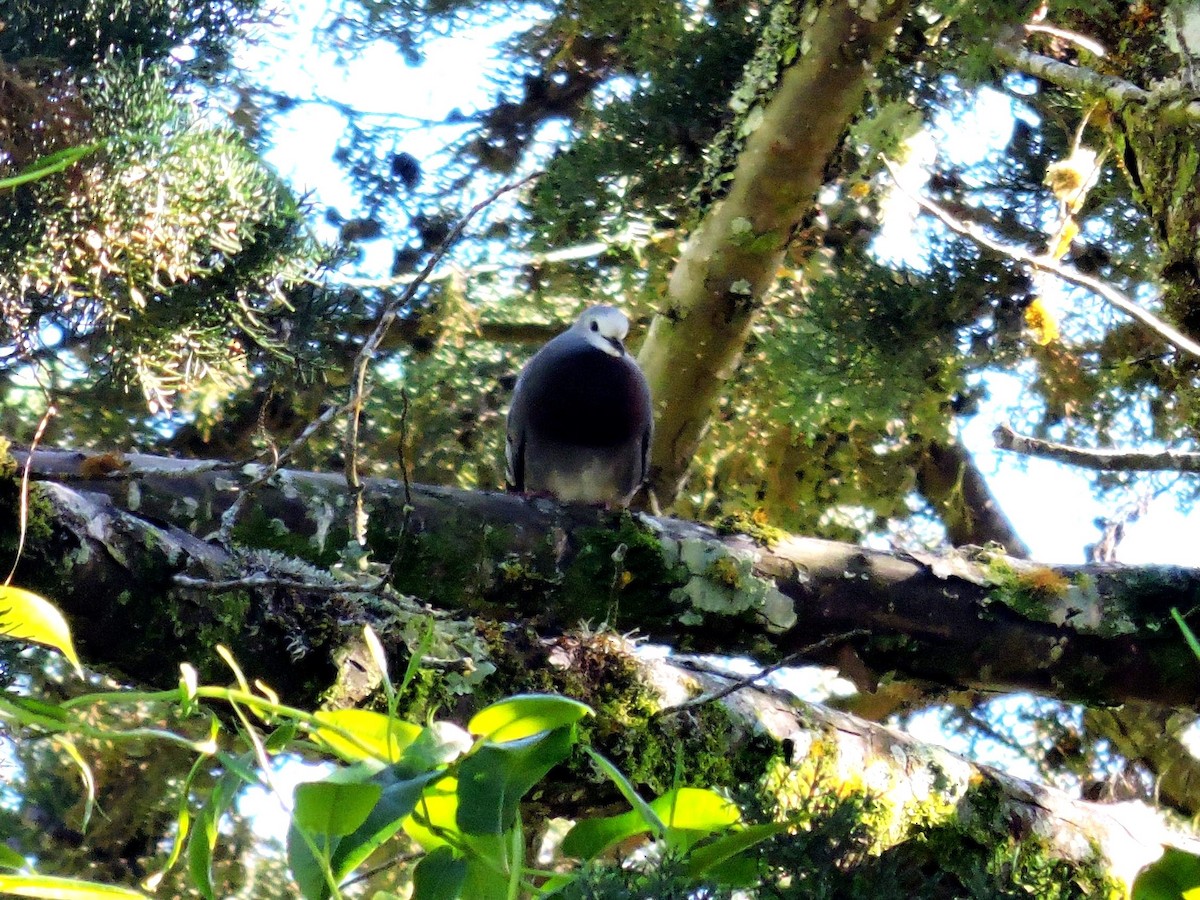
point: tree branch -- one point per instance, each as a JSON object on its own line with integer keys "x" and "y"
{"x": 1088, "y": 82}
{"x": 972, "y": 619}
{"x": 1043, "y": 264}
{"x": 1100, "y": 460}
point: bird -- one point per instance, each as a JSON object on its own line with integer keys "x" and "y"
{"x": 581, "y": 419}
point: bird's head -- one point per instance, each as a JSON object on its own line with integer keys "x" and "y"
{"x": 604, "y": 327}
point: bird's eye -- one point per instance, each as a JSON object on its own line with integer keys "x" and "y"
{"x": 595, "y": 326}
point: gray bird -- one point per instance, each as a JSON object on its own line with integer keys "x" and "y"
{"x": 580, "y": 423}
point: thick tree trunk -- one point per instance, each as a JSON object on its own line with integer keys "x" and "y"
{"x": 732, "y": 258}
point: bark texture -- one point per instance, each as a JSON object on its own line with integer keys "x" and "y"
{"x": 1099, "y": 633}
{"x": 731, "y": 260}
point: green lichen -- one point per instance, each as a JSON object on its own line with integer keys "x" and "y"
{"x": 722, "y": 581}
{"x": 257, "y": 529}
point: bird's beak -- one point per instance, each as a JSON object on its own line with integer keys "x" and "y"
{"x": 617, "y": 345}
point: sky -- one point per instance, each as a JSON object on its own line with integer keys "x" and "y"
{"x": 1050, "y": 505}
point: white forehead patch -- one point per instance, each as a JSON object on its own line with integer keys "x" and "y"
{"x": 604, "y": 327}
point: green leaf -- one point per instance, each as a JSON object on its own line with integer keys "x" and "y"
{"x": 50, "y": 888}
{"x": 685, "y": 813}
{"x": 617, "y": 777}
{"x": 199, "y": 852}
{"x": 11, "y": 859}
{"x": 435, "y": 816}
{"x": 24, "y": 616}
{"x": 1188, "y": 635}
{"x": 306, "y": 868}
{"x": 439, "y": 876}
{"x": 398, "y": 798}
{"x": 333, "y": 809}
{"x": 375, "y": 735}
{"x": 204, "y": 835}
{"x": 705, "y": 859}
{"x": 279, "y": 739}
{"x": 31, "y": 712}
{"x": 48, "y": 165}
{"x": 435, "y": 748}
{"x": 493, "y": 779}
{"x": 519, "y": 717}
{"x": 1175, "y": 876}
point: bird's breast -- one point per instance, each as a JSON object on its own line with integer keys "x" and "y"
{"x": 589, "y": 399}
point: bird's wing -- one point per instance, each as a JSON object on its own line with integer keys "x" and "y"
{"x": 514, "y": 458}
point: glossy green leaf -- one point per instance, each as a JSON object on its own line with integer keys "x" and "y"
{"x": 47, "y": 887}
{"x": 375, "y": 736}
{"x": 519, "y": 717}
{"x": 334, "y": 809}
{"x": 1175, "y": 876}
{"x": 439, "y": 876}
{"x": 493, "y": 779}
{"x": 685, "y": 811}
{"x": 24, "y": 616}
{"x": 704, "y": 860}
{"x": 396, "y": 801}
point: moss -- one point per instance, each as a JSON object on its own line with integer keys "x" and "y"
{"x": 258, "y": 530}
{"x": 852, "y": 841}
{"x": 619, "y": 566}
{"x": 1033, "y": 594}
{"x": 753, "y": 525}
{"x": 452, "y": 567}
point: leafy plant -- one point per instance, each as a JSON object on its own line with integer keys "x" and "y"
{"x": 455, "y": 793}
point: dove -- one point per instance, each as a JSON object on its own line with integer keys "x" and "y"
{"x": 580, "y": 423}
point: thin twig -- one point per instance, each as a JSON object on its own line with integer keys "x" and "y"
{"x": 517, "y": 261}
{"x": 1101, "y": 460}
{"x": 363, "y": 361}
{"x": 23, "y": 527}
{"x": 824, "y": 644}
{"x": 1042, "y": 264}
{"x": 230, "y": 516}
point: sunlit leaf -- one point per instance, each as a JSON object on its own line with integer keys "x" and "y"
{"x": 330, "y": 808}
{"x": 24, "y": 616}
{"x": 697, "y": 811}
{"x": 434, "y": 817}
{"x": 47, "y": 887}
{"x": 1175, "y": 876}
{"x": 493, "y": 779}
{"x": 375, "y": 735}
{"x": 519, "y": 717}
